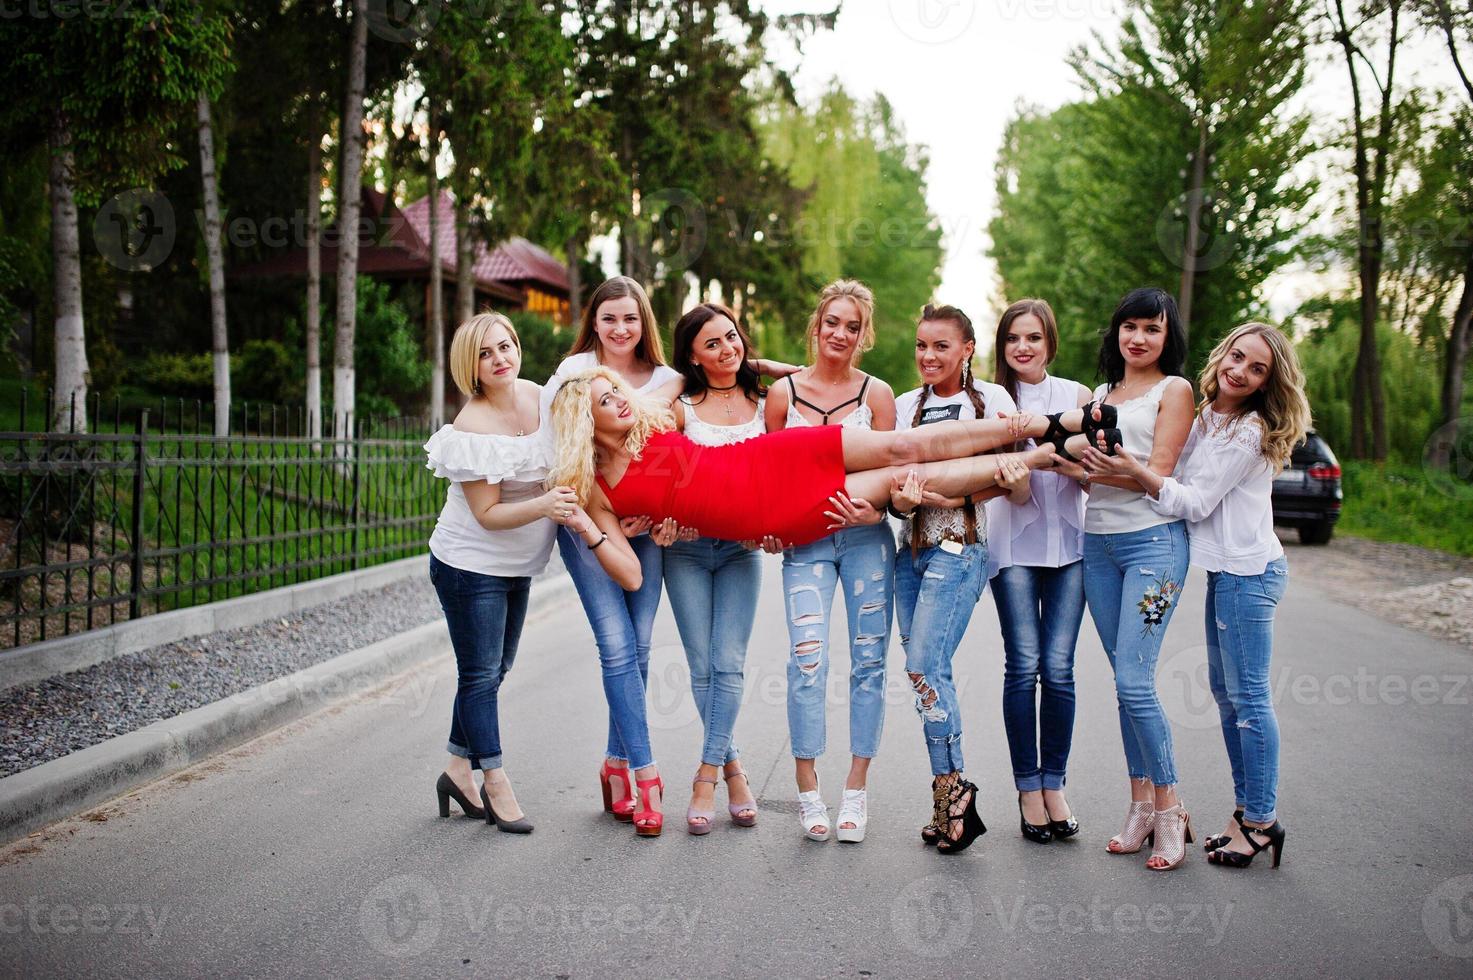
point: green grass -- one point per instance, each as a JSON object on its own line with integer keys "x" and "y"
{"x": 1403, "y": 503}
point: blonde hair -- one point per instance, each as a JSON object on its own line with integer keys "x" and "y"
{"x": 465, "y": 349}
{"x": 845, "y": 289}
{"x": 1283, "y": 410}
{"x": 572, "y": 426}
{"x": 650, "y": 349}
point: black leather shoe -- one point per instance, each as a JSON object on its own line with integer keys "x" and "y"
{"x": 1034, "y": 832}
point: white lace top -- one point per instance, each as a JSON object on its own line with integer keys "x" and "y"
{"x": 1223, "y": 487}
{"x": 519, "y": 464}
{"x": 705, "y": 434}
{"x": 939, "y": 523}
{"x": 1115, "y": 510}
{"x": 1047, "y": 531}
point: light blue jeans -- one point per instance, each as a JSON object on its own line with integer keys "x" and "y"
{"x": 713, "y": 588}
{"x": 1240, "y": 639}
{"x": 935, "y": 593}
{"x": 622, "y": 623}
{"x": 1132, "y": 582}
{"x": 863, "y": 559}
{"x": 1040, "y": 610}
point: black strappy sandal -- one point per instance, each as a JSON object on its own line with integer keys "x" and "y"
{"x": 972, "y": 825}
{"x": 1237, "y": 859}
{"x": 1215, "y": 841}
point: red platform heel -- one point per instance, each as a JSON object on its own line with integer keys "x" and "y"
{"x": 647, "y": 822}
{"x": 621, "y": 806}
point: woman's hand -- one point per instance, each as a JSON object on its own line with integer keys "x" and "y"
{"x": 907, "y": 495}
{"x": 851, "y": 513}
{"x": 633, "y": 527}
{"x": 1018, "y": 424}
{"x": 1073, "y": 471}
{"x": 558, "y": 504}
{"x": 1012, "y": 475}
{"x": 1097, "y": 464}
{"x": 579, "y": 522}
{"x": 665, "y": 533}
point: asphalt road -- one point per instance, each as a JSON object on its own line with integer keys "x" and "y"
{"x": 316, "y": 851}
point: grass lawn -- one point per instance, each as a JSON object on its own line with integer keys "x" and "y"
{"x": 1400, "y": 502}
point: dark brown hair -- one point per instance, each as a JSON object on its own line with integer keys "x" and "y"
{"x": 1003, "y": 373}
{"x": 649, "y": 348}
{"x": 686, "y": 331}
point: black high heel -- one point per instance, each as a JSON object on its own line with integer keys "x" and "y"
{"x": 1218, "y": 840}
{"x": 519, "y": 826}
{"x": 1037, "y": 833}
{"x": 1275, "y": 833}
{"x": 1063, "y": 829}
{"x": 446, "y": 790}
{"x": 972, "y": 825}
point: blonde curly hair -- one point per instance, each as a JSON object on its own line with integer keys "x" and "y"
{"x": 572, "y": 426}
{"x": 1283, "y": 410}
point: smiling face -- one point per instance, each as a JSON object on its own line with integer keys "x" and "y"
{"x": 1244, "y": 370}
{"x": 612, "y": 413}
{"x": 941, "y": 349}
{"x": 839, "y": 330}
{"x": 718, "y": 349}
{"x": 498, "y": 360}
{"x": 1025, "y": 349}
{"x": 618, "y": 325}
{"x": 1142, "y": 339}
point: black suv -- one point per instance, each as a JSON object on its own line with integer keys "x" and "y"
{"x": 1307, "y": 493}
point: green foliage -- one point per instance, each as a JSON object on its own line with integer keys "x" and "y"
{"x": 266, "y": 371}
{"x": 392, "y": 372}
{"x": 1397, "y": 502}
{"x": 177, "y": 375}
{"x": 543, "y": 345}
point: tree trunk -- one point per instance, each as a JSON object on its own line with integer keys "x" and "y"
{"x": 1193, "y": 238}
{"x": 435, "y": 304}
{"x": 219, "y": 331}
{"x": 1455, "y": 367}
{"x": 465, "y": 262}
{"x": 574, "y": 248}
{"x": 71, "y": 375}
{"x": 314, "y": 282}
{"x": 350, "y": 206}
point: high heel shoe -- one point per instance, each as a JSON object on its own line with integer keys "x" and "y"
{"x": 521, "y": 825}
{"x": 647, "y": 822}
{"x": 1034, "y": 832}
{"x": 446, "y": 790}
{"x": 1218, "y": 840}
{"x": 1139, "y": 829}
{"x": 621, "y": 806}
{"x": 742, "y": 814}
{"x": 1173, "y": 829}
{"x": 698, "y": 822}
{"x": 1062, "y": 829}
{"x": 931, "y": 832}
{"x": 1275, "y": 833}
{"x": 972, "y": 825}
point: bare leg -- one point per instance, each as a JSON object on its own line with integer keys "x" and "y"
{"x": 950, "y": 478}
{"x": 866, "y": 450}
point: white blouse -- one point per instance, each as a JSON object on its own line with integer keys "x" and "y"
{"x": 940, "y": 522}
{"x": 1047, "y": 530}
{"x": 704, "y": 433}
{"x": 519, "y": 464}
{"x": 1115, "y": 510}
{"x": 1223, "y": 488}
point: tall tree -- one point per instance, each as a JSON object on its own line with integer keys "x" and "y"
{"x": 350, "y": 188}
{"x": 106, "y": 94}
{"x": 215, "y": 260}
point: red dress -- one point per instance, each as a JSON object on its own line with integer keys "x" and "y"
{"x": 778, "y": 483}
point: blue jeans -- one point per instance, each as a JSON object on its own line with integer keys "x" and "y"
{"x": 1132, "y": 582}
{"x": 935, "y": 593}
{"x": 622, "y": 623}
{"x": 484, "y": 615}
{"x": 1040, "y": 610}
{"x": 863, "y": 558}
{"x": 713, "y": 588}
{"x": 1240, "y": 639}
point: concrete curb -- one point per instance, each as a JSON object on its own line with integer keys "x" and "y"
{"x": 32, "y": 799}
{"x": 38, "y": 661}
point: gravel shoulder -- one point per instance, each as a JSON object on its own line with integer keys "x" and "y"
{"x": 1425, "y": 590}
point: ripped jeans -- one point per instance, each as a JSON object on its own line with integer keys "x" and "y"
{"x": 863, "y": 560}
{"x": 1132, "y": 583}
{"x": 935, "y": 593}
{"x": 1240, "y": 640}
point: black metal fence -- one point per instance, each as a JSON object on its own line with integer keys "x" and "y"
{"x": 148, "y": 512}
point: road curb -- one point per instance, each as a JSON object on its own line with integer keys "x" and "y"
{"x": 57, "y": 789}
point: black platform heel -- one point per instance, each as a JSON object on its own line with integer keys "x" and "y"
{"x": 1275, "y": 833}
{"x": 972, "y": 825}
{"x": 446, "y": 790}
{"x": 1215, "y": 841}
{"x": 519, "y": 826}
{"x": 1037, "y": 833}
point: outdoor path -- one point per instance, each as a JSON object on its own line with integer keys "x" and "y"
{"x": 317, "y": 850}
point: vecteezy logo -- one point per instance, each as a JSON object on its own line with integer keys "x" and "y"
{"x": 1186, "y": 695}
{"x": 1214, "y": 244}
{"x": 933, "y": 917}
{"x": 135, "y": 230}
{"x": 402, "y": 21}
{"x": 1447, "y": 917}
{"x": 679, "y": 219}
{"x": 932, "y": 21}
{"x": 401, "y": 917}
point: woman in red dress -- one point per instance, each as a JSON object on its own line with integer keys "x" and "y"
{"x": 621, "y": 455}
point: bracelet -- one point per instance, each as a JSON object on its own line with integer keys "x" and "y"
{"x": 602, "y": 538}
{"x": 895, "y": 513}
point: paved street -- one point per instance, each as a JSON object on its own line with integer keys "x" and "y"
{"x": 317, "y": 850}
